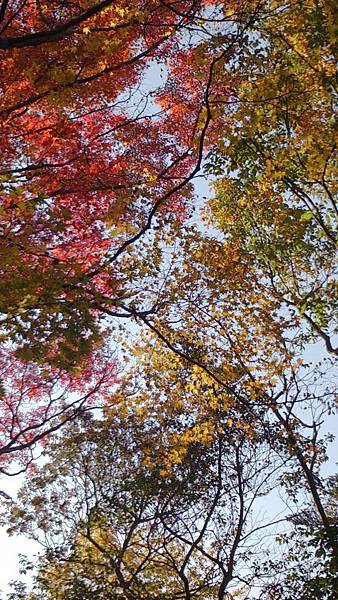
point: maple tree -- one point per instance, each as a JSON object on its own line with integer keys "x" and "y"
{"x": 70, "y": 174}
{"x": 103, "y": 135}
{"x": 200, "y": 390}
{"x": 91, "y": 158}
{"x": 36, "y": 401}
{"x": 85, "y": 166}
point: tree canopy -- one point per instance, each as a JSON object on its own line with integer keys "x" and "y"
{"x": 159, "y": 348}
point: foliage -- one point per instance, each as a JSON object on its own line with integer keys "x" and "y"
{"x": 277, "y": 199}
{"x": 208, "y": 404}
{"x": 312, "y": 571}
{"x": 112, "y": 528}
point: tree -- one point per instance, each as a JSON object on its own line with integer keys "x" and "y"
{"x": 113, "y": 528}
{"x": 276, "y": 200}
{"x": 36, "y": 401}
{"x": 71, "y": 171}
{"x": 98, "y": 195}
{"x": 87, "y": 169}
{"x": 205, "y": 369}
{"x": 311, "y": 572}
{"x": 91, "y": 159}
{"x": 85, "y": 165}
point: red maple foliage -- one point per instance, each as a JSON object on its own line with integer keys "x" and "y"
{"x": 94, "y": 146}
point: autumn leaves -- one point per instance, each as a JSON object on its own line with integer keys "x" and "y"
{"x": 96, "y": 178}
